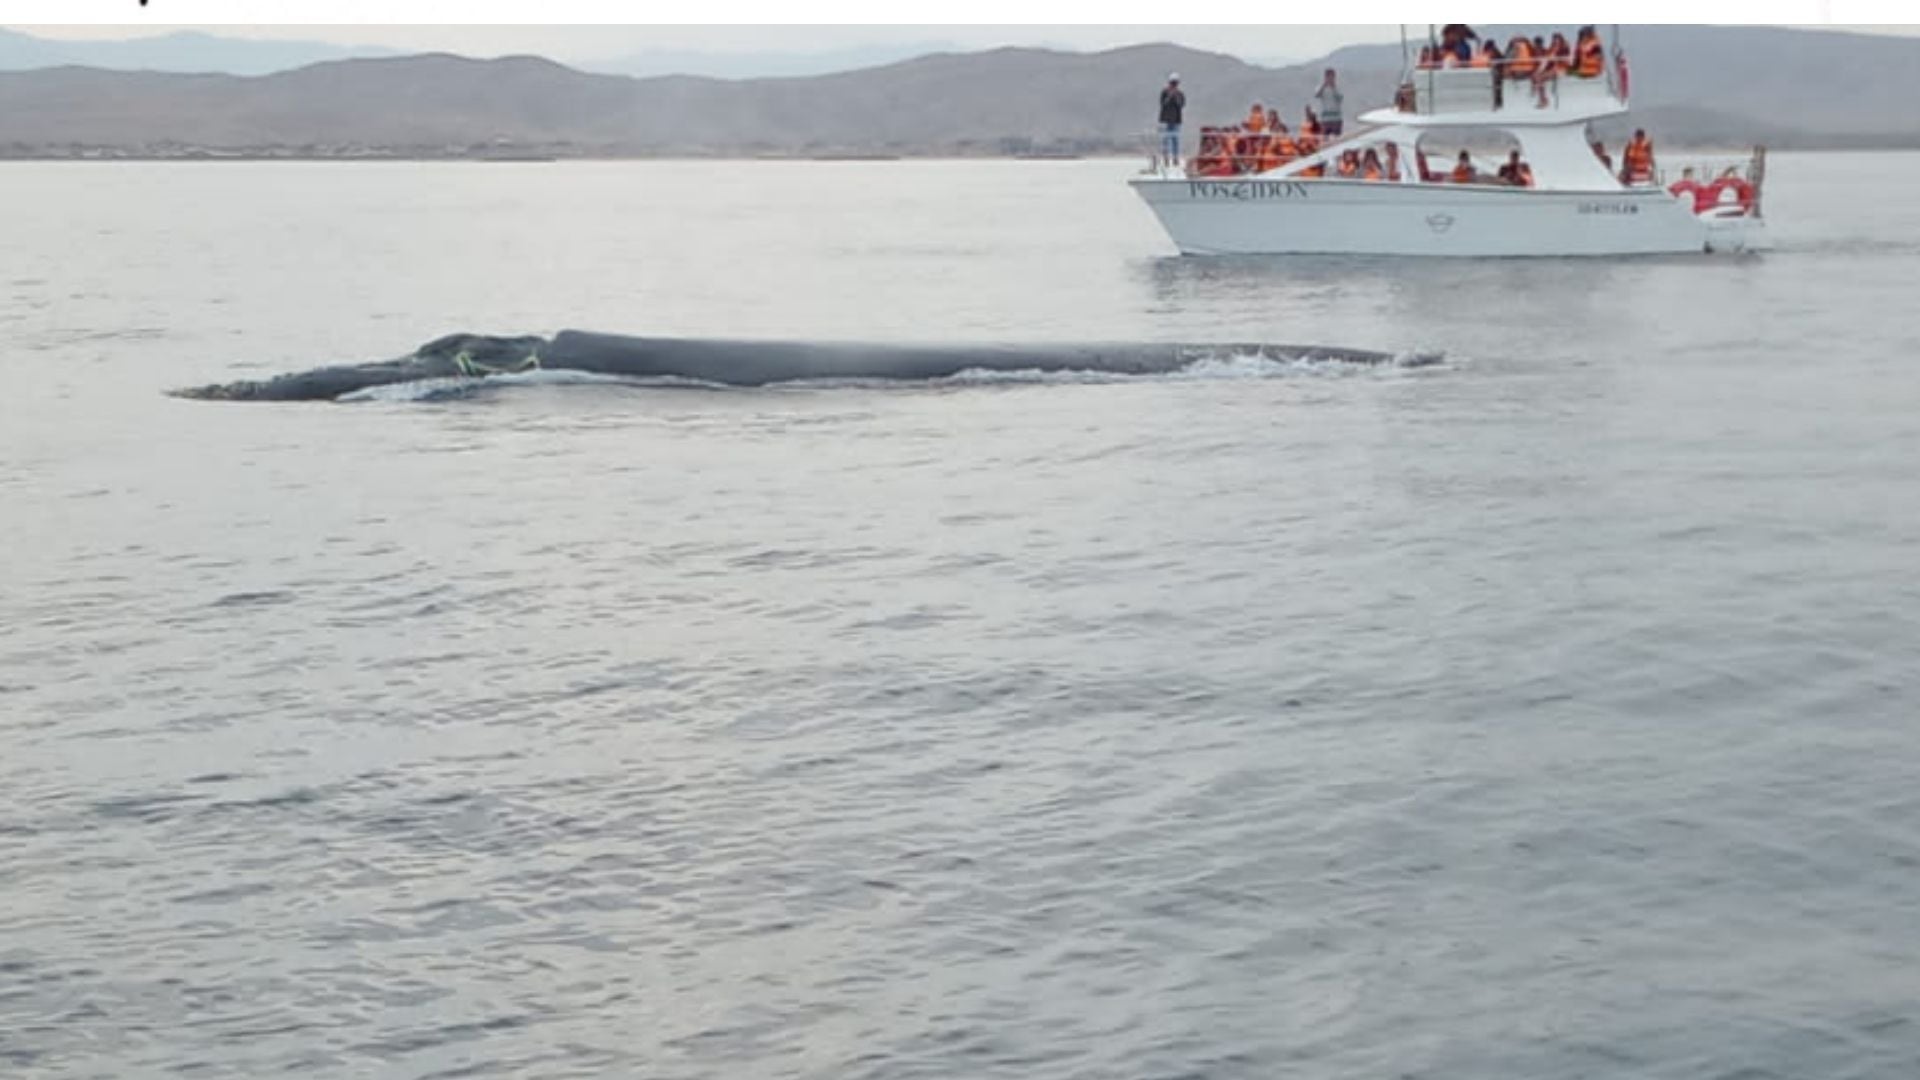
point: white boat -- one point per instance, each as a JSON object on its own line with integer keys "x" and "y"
{"x": 1576, "y": 206}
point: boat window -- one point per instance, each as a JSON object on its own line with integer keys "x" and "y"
{"x": 1487, "y": 148}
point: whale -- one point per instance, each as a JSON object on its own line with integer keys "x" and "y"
{"x": 752, "y": 363}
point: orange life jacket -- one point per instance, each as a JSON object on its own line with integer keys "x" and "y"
{"x": 1280, "y": 150}
{"x": 1246, "y": 150}
{"x": 1481, "y": 59}
{"x": 1590, "y": 59}
{"x": 1213, "y": 159}
{"x": 1372, "y": 173}
{"x": 1637, "y": 160}
{"x": 1520, "y": 63}
{"x": 1462, "y": 174}
{"x": 1315, "y": 170}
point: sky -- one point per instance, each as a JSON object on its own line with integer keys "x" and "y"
{"x": 586, "y": 44}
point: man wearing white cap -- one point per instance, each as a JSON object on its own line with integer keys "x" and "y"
{"x": 1172, "y": 103}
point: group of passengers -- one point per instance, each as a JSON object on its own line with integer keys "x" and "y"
{"x": 1263, "y": 141}
{"x": 1514, "y": 172}
{"x": 1259, "y": 143}
{"x": 1535, "y": 60}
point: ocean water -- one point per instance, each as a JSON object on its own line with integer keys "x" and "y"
{"x": 1550, "y": 712}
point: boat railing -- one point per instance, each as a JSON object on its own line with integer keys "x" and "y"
{"x": 1227, "y": 151}
{"x": 1449, "y": 90}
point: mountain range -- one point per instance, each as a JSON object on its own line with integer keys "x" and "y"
{"x": 194, "y": 52}
{"x": 1693, "y": 85}
{"x": 185, "y": 51}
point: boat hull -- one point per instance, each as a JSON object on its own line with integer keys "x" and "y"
{"x": 1252, "y": 216}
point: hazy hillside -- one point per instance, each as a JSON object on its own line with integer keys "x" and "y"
{"x": 1692, "y": 84}
{"x": 185, "y": 51}
{"x": 195, "y": 52}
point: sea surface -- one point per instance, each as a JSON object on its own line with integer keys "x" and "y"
{"x": 1550, "y": 712}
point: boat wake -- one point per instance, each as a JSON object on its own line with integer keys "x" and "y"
{"x": 463, "y": 364}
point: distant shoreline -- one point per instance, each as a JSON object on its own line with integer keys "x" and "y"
{"x": 1675, "y": 149}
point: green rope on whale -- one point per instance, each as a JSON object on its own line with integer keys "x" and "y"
{"x": 465, "y": 364}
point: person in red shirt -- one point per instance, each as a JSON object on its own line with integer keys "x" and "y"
{"x": 1688, "y": 186}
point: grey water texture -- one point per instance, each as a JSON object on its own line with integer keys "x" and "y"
{"x": 1552, "y": 713}
{"x": 753, "y": 363}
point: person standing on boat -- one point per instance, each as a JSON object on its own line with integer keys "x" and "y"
{"x": 1173, "y": 103}
{"x": 1636, "y": 161}
{"x": 1329, "y": 99}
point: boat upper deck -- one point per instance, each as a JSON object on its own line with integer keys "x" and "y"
{"x": 1474, "y": 97}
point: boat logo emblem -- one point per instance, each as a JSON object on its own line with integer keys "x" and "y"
{"x": 1440, "y": 222}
